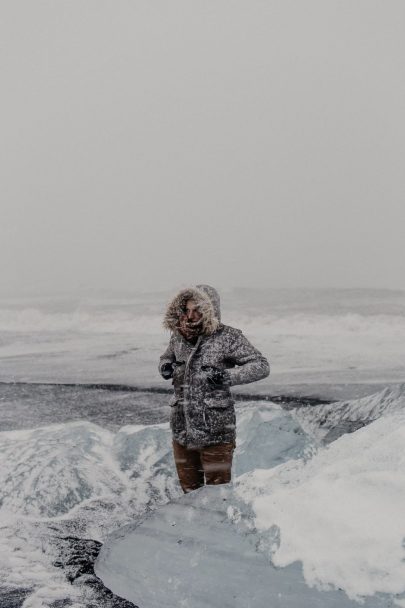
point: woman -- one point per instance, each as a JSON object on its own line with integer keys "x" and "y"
{"x": 204, "y": 359}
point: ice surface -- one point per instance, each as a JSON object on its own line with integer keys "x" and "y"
{"x": 190, "y": 554}
{"x": 267, "y": 436}
{"x": 73, "y": 479}
{"x": 329, "y": 421}
{"x": 48, "y": 471}
{"x": 80, "y": 479}
{"x": 339, "y": 513}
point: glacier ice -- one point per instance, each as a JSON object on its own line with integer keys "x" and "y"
{"x": 190, "y": 554}
{"x": 267, "y": 436}
{"x": 329, "y": 421}
{"x": 339, "y": 513}
{"x": 82, "y": 479}
{"x": 73, "y": 480}
{"x": 299, "y": 531}
{"x": 48, "y": 471}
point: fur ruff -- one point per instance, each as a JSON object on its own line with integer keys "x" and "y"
{"x": 210, "y": 323}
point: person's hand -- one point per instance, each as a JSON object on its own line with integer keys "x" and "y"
{"x": 167, "y": 371}
{"x": 217, "y": 378}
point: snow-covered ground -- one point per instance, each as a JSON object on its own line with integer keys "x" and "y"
{"x": 74, "y": 465}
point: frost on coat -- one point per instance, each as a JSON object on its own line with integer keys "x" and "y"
{"x": 201, "y": 414}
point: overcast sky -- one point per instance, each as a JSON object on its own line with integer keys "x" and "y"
{"x": 156, "y": 143}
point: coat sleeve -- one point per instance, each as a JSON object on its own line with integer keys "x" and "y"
{"x": 168, "y": 356}
{"x": 251, "y": 364}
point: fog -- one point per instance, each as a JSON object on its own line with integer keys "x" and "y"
{"x": 148, "y": 144}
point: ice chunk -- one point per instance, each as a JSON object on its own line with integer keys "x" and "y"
{"x": 73, "y": 479}
{"x": 330, "y": 421}
{"x": 267, "y": 436}
{"x": 341, "y": 513}
{"x": 321, "y": 532}
{"x": 144, "y": 448}
{"x": 50, "y": 470}
{"x": 95, "y": 480}
{"x": 145, "y": 455}
{"x": 190, "y": 554}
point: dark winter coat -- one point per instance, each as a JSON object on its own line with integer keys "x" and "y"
{"x": 201, "y": 414}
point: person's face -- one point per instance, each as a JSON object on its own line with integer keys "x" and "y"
{"x": 192, "y": 313}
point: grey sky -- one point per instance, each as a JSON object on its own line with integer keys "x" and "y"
{"x": 155, "y": 143}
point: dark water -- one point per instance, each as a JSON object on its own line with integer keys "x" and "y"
{"x": 31, "y": 405}
{"x": 26, "y": 406}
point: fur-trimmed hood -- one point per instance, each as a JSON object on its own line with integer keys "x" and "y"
{"x": 207, "y": 299}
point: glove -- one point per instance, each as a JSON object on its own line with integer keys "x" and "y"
{"x": 217, "y": 378}
{"x": 167, "y": 371}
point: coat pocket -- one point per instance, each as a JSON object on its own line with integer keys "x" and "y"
{"x": 220, "y": 416}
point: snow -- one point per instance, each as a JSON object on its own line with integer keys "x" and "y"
{"x": 341, "y": 512}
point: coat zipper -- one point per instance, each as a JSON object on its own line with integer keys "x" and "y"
{"x": 190, "y": 357}
{"x": 185, "y": 374}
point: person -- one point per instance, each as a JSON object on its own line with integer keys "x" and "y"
{"x": 204, "y": 359}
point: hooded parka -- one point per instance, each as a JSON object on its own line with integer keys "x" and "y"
{"x": 203, "y": 414}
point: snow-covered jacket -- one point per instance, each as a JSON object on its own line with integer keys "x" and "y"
{"x": 203, "y": 414}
